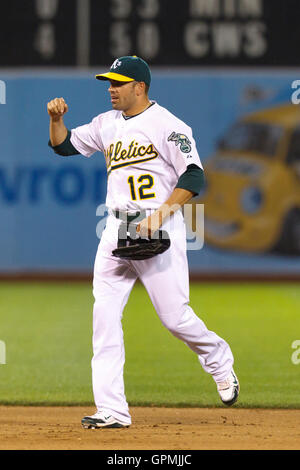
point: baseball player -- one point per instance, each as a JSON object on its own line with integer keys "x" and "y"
{"x": 153, "y": 169}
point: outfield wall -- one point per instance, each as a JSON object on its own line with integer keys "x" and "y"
{"x": 48, "y": 203}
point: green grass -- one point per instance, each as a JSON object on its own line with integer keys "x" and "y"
{"x": 47, "y": 329}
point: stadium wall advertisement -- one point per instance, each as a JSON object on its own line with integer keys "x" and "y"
{"x": 247, "y": 128}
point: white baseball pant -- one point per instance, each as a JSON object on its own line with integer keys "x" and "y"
{"x": 166, "y": 279}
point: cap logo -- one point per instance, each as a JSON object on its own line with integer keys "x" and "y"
{"x": 116, "y": 64}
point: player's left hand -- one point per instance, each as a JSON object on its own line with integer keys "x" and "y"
{"x": 147, "y": 227}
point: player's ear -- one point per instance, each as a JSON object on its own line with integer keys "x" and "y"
{"x": 140, "y": 88}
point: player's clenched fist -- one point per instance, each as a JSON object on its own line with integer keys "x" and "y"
{"x": 57, "y": 108}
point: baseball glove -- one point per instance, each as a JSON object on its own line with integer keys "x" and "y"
{"x": 133, "y": 247}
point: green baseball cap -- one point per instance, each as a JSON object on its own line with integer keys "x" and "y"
{"x": 128, "y": 69}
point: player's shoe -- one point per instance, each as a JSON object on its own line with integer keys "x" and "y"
{"x": 102, "y": 420}
{"x": 229, "y": 389}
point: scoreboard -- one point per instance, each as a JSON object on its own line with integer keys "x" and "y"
{"x": 37, "y": 32}
{"x": 163, "y": 32}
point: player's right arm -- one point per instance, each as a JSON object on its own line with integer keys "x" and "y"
{"x": 60, "y": 136}
{"x": 57, "y": 130}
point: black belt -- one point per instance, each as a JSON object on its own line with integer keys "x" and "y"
{"x": 129, "y": 216}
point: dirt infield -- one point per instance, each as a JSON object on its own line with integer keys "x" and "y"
{"x": 58, "y": 428}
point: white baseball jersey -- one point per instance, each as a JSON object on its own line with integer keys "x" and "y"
{"x": 145, "y": 154}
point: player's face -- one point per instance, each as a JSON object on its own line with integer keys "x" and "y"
{"x": 123, "y": 95}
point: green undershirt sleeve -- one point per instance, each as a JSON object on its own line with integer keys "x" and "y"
{"x": 66, "y": 148}
{"x": 192, "y": 179}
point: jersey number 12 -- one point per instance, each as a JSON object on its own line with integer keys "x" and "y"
{"x": 141, "y": 189}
